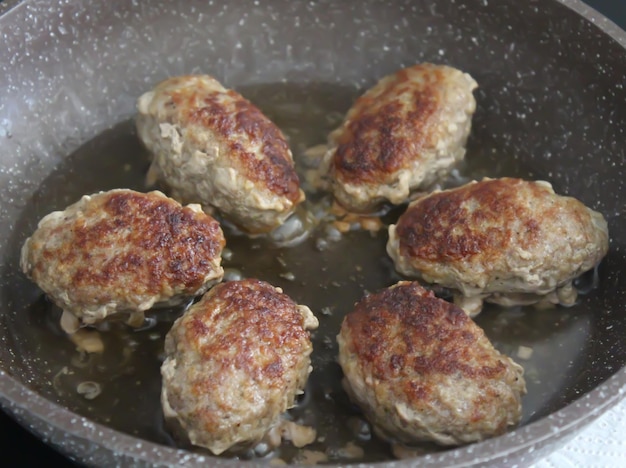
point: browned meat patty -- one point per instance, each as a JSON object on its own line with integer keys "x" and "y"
{"x": 422, "y": 370}
{"x": 211, "y": 146}
{"x": 506, "y": 241}
{"x": 403, "y": 134}
{"x": 122, "y": 252}
{"x": 235, "y": 362}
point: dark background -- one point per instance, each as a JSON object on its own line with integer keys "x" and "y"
{"x": 613, "y": 9}
{"x": 19, "y": 448}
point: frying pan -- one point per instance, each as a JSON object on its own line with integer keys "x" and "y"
{"x": 550, "y": 106}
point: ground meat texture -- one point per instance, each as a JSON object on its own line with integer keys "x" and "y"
{"x": 403, "y": 134}
{"x": 211, "y": 146}
{"x": 122, "y": 252}
{"x": 422, "y": 370}
{"x": 506, "y": 241}
{"x": 235, "y": 362}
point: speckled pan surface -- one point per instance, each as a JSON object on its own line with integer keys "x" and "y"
{"x": 550, "y": 105}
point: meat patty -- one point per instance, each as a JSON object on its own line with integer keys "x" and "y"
{"x": 403, "y": 134}
{"x": 211, "y": 146}
{"x": 506, "y": 241}
{"x": 235, "y": 362}
{"x": 122, "y": 252}
{"x": 422, "y": 370}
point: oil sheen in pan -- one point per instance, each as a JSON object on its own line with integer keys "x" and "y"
{"x": 327, "y": 271}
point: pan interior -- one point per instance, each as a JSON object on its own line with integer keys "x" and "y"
{"x": 327, "y": 271}
{"x": 541, "y": 115}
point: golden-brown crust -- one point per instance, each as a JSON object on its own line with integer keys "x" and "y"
{"x": 126, "y": 243}
{"x": 232, "y": 117}
{"x": 506, "y": 241}
{"x": 405, "y": 334}
{"x": 388, "y": 127}
{"x": 250, "y": 316}
{"x": 235, "y": 362}
{"x": 484, "y": 219}
{"x": 422, "y": 370}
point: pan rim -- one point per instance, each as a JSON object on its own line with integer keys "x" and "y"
{"x": 16, "y": 397}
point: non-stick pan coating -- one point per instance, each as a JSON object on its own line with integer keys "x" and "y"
{"x": 550, "y": 106}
